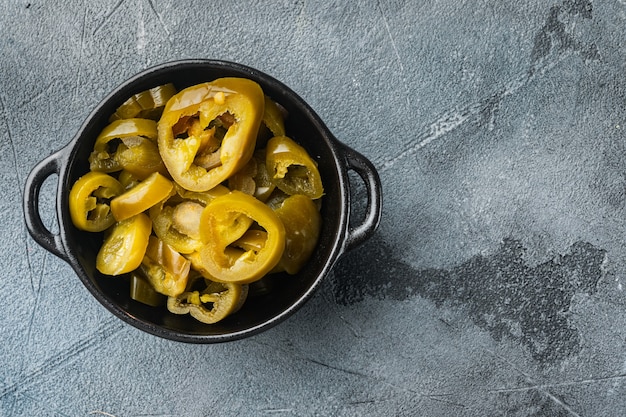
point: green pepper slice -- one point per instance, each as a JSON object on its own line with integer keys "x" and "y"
{"x": 147, "y": 104}
{"x": 263, "y": 182}
{"x": 127, "y": 179}
{"x": 141, "y": 290}
{"x": 243, "y": 180}
{"x": 211, "y": 305}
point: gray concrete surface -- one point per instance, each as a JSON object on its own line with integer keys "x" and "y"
{"x": 495, "y": 284}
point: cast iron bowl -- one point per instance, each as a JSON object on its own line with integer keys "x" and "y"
{"x": 259, "y": 313}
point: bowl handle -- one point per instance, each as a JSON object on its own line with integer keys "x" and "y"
{"x": 39, "y": 232}
{"x": 366, "y": 170}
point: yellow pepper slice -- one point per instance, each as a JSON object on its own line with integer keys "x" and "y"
{"x": 226, "y": 220}
{"x": 263, "y": 182}
{"x": 140, "y": 156}
{"x": 165, "y": 268}
{"x": 292, "y": 169}
{"x": 243, "y": 180}
{"x": 273, "y": 118}
{"x": 109, "y": 142}
{"x": 141, "y": 197}
{"x": 195, "y": 108}
{"x": 302, "y": 222}
{"x": 127, "y": 179}
{"x": 125, "y": 246}
{"x": 89, "y": 201}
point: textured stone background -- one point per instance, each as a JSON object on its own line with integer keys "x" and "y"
{"x": 494, "y": 285}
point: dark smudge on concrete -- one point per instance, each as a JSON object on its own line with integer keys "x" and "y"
{"x": 555, "y": 35}
{"x": 500, "y": 292}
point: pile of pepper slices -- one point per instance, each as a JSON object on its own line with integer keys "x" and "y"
{"x": 199, "y": 193}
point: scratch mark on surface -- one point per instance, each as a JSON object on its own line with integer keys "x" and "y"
{"x": 278, "y": 410}
{"x": 347, "y": 371}
{"x": 107, "y": 329}
{"x": 416, "y": 396}
{"x": 433, "y": 397}
{"x": 440, "y": 127}
{"x": 449, "y": 121}
{"x": 368, "y": 401}
{"x": 610, "y": 378}
{"x": 102, "y": 413}
{"x": 335, "y": 309}
{"x": 11, "y": 141}
{"x": 155, "y": 415}
{"x": 163, "y": 25}
{"x": 107, "y": 17}
{"x": 395, "y": 49}
{"x": 33, "y": 310}
{"x": 45, "y": 92}
{"x": 141, "y": 30}
{"x": 46, "y": 407}
{"x": 393, "y": 42}
{"x": 82, "y": 30}
{"x": 541, "y": 388}
{"x": 479, "y": 112}
{"x": 80, "y": 54}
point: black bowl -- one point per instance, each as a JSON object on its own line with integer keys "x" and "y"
{"x": 261, "y": 312}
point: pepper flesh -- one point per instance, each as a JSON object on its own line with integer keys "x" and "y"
{"x": 127, "y": 180}
{"x": 211, "y": 305}
{"x": 174, "y": 220}
{"x": 141, "y": 290}
{"x": 273, "y": 118}
{"x": 147, "y": 104}
{"x": 292, "y": 169}
{"x": 125, "y": 245}
{"x": 302, "y": 222}
{"x": 239, "y": 97}
{"x": 89, "y": 201}
{"x": 166, "y": 269}
{"x": 108, "y": 143}
{"x": 141, "y": 197}
{"x": 222, "y": 222}
{"x": 263, "y": 183}
{"x": 140, "y": 156}
{"x": 243, "y": 180}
